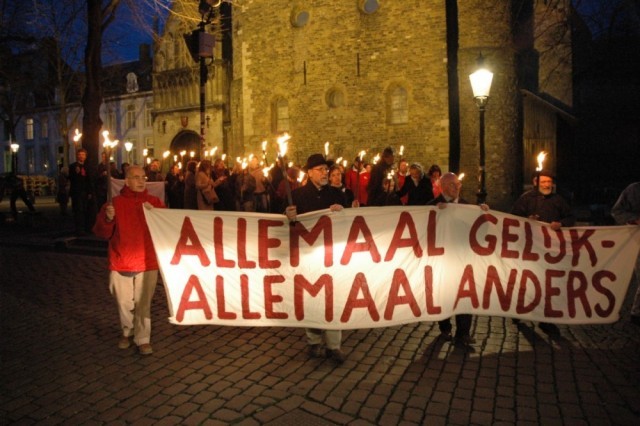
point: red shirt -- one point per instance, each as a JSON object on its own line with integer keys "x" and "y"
{"x": 130, "y": 245}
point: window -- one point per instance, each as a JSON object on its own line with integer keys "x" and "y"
{"x": 148, "y": 117}
{"x": 132, "y": 83}
{"x": 148, "y": 142}
{"x": 131, "y": 117}
{"x": 112, "y": 124}
{"x": 29, "y": 128}
{"x": 398, "y": 106}
{"x": 44, "y": 128}
{"x": 280, "y": 116}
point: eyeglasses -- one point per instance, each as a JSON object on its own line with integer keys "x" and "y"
{"x": 135, "y": 177}
{"x": 321, "y": 169}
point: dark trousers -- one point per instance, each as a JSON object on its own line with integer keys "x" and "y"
{"x": 463, "y": 325}
{"x": 22, "y": 194}
{"x": 84, "y": 212}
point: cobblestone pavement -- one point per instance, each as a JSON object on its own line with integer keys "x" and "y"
{"x": 60, "y": 364}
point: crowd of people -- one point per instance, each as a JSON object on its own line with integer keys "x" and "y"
{"x": 251, "y": 187}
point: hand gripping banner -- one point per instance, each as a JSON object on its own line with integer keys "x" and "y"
{"x": 384, "y": 266}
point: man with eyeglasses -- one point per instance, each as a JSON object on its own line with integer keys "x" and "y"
{"x": 317, "y": 194}
{"x": 133, "y": 264}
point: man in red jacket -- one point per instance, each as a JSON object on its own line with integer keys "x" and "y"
{"x": 133, "y": 264}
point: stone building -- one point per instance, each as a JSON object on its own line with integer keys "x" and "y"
{"x": 176, "y": 88}
{"x": 366, "y": 74}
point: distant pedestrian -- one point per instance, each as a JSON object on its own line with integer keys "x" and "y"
{"x": 627, "y": 211}
{"x": 62, "y": 193}
{"x": 379, "y": 172}
{"x": 190, "y": 191}
{"x": 133, "y": 264}
{"x": 174, "y": 187}
{"x": 82, "y": 192}
{"x": 417, "y": 187}
{"x": 434, "y": 174}
{"x": 207, "y": 195}
{"x": 15, "y": 184}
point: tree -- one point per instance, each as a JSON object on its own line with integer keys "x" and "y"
{"x": 98, "y": 19}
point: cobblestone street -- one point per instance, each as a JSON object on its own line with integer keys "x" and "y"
{"x": 61, "y": 364}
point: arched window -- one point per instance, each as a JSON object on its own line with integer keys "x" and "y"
{"x": 280, "y": 116}
{"x": 131, "y": 116}
{"x": 398, "y": 105}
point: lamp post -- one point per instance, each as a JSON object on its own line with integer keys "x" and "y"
{"x": 14, "y": 157}
{"x": 128, "y": 146}
{"x": 481, "y": 85}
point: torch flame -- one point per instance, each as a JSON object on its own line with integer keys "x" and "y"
{"x": 77, "y": 136}
{"x": 401, "y": 150}
{"x": 108, "y": 143}
{"x": 166, "y": 154}
{"x": 326, "y": 149}
{"x": 264, "y": 146}
{"x": 461, "y": 176}
{"x": 282, "y": 144}
{"x": 361, "y": 155}
{"x": 301, "y": 176}
{"x": 541, "y": 156}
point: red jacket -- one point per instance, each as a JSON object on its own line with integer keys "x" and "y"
{"x": 130, "y": 245}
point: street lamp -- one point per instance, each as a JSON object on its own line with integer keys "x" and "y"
{"x": 128, "y": 146}
{"x": 14, "y": 157}
{"x": 481, "y": 85}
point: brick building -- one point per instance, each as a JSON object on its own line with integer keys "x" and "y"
{"x": 365, "y": 74}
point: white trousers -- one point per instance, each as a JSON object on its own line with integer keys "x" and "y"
{"x": 133, "y": 296}
{"x": 333, "y": 338}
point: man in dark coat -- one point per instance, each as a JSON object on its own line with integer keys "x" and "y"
{"x": 379, "y": 172}
{"x": 451, "y": 186}
{"x": 82, "y": 192}
{"x": 541, "y": 203}
{"x": 417, "y": 186}
{"x": 317, "y": 194}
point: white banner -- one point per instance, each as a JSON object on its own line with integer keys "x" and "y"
{"x": 383, "y": 266}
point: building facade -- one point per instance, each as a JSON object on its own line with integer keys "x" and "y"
{"x": 359, "y": 74}
{"x": 179, "y": 125}
{"x": 366, "y": 74}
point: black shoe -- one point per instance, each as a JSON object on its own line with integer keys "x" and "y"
{"x": 336, "y": 355}
{"x": 635, "y": 319}
{"x": 465, "y": 340}
{"x": 549, "y": 328}
{"x": 315, "y": 351}
{"x": 445, "y": 335}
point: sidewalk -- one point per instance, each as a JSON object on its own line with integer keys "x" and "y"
{"x": 45, "y": 229}
{"x": 60, "y": 363}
